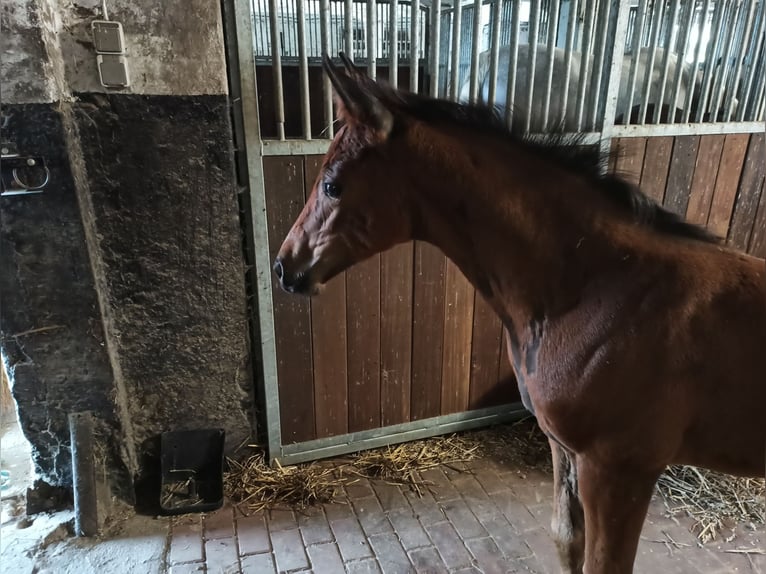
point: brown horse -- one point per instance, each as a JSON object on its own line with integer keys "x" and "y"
{"x": 636, "y": 339}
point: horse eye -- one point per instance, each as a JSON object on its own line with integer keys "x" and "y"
{"x": 332, "y": 190}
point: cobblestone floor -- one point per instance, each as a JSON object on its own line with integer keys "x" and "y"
{"x": 491, "y": 519}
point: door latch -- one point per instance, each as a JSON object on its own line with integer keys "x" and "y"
{"x": 21, "y": 175}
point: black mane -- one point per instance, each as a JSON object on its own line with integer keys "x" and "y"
{"x": 568, "y": 151}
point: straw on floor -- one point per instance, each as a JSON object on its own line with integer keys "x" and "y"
{"x": 714, "y": 501}
{"x": 252, "y": 485}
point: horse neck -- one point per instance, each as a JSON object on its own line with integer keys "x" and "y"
{"x": 514, "y": 225}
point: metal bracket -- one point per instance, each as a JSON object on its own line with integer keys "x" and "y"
{"x": 21, "y": 175}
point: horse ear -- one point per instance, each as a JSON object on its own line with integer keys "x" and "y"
{"x": 343, "y": 88}
{"x": 351, "y": 70}
{"x": 357, "y": 97}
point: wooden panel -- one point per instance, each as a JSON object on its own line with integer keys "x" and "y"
{"x": 458, "y": 328}
{"x": 363, "y": 317}
{"x": 508, "y": 383}
{"x": 654, "y": 174}
{"x": 630, "y": 158}
{"x": 328, "y": 331}
{"x": 427, "y": 331}
{"x": 746, "y": 205}
{"x": 396, "y": 333}
{"x": 758, "y": 237}
{"x": 284, "y": 200}
{"x": 729, "y": 171}
{"x": 485, "y": 356}
{"x": 703, "y": 182}
{"x": 680, "y": 175}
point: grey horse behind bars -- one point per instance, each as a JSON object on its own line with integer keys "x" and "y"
{"x": 565, "y": 114}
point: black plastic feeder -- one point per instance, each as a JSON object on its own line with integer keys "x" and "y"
{"x": 192, "y": 471}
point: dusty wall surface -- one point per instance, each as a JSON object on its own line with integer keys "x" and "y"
{"x": 53, "y": 338}
{"x": 25, "y": 68}
{"x": 134, "y": 250}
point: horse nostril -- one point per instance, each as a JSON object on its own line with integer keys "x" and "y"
{"x": 278, "y": 268}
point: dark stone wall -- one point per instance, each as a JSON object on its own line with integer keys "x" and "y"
{"x": 52, "y": 335}
{"x": 162, "y": 186}
{"x": 122, "y": 285}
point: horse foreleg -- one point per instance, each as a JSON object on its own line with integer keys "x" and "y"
{"x": 615, "y": 502}
{"x": 568, "y": 523}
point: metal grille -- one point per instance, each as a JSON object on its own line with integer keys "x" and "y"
{"x": 684, "y": 62}
{"x": 678, "y": 64}
{"x": 345, "y": 20}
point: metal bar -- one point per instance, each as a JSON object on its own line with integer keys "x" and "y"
{"x": 324, "y": 23}
{"x": 571, "y": 29}
{"x": 497, "y": 25}
{"x": 638, "y": 30}
{"x": 681, "y": 62}
{"x": 414, "y": 44}
{"x": 295, "y": 147}
{"x": 669, "y": 39}
{"x": 649, "y": 70}
{"x": 84, "y": 486}
{"x": 585, "y": 61}
{"x": 475, "y": 50}
{"x": 433, "y": 88}
{"x": 553, "y": 21}
{"x": 709, "y": 63}
{"x": 616, "y": 40}
{"x": 583, "y": 138}
{"x": 303, "y": 69}
{"x": 513, "y": 59}
{"x": 393, "y": 43}
{"x": 693, "y": 129}
{"x": 599, "y": 62}
{"x": 352, "y": 442}
{"x": 534, "y": 24}
{"x": 348, "y": 28}
{"x": 747, "y": 99}
{"x": 759, "y": 103}
{"x": 457, "y": 13}
{"x": 276, "y": 69}
{"x": 746, "y": 41}
{"x": 697, "y": 59}
{"x": 258, "y": 227}
{"x": 720, "y": 84}
{"x": 372, "y": 37}
{"x": 761, "y": 98}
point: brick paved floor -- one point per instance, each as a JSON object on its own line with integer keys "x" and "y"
{"x": 490, "y": 519}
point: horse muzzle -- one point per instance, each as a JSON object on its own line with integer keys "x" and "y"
{"x": 292, "y": 281}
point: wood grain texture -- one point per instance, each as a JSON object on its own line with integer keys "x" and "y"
{"x": 396, "y": 334}
{"x": 458, "y": 328}
{"x": 629, "y": 159}
{"x": 328, "y": 335}
{"x": 654, "y": 174}
{"x": 727, "y": 183}
{"x": 703, "y": 182}
{"x": 485, "y": 355}
{"x": 680, "y": 174}
{"x": 757, "y": 245}
{"x": 508, "y": 385}
{"x": 427, "y": 331}
{"x": 749, "y": 193}
{"x": 363, "y": 341}
{"x": 283, "y": 179}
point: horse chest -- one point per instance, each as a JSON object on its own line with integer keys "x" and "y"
{"x": 555, "y": 370}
